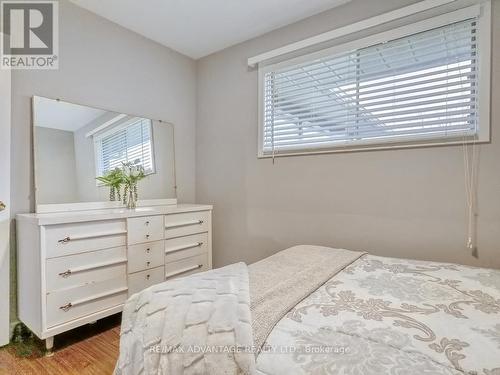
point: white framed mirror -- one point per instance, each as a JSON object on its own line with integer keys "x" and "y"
{"x": 76, "y": 145}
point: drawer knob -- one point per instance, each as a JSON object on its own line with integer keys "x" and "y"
{"x": 64, "y": 240}
{"x": 200, "y": 243}
{"x": 148, "y": 250}
{"x": 147, "y": 277}
{"x": 65, "y": 273}
{"x": 147, "y": 222}
{"x": 148, "y": 264}
{"x": 147, "y": 235}
{"x": 66, "y": 307}
{"x": 200, "y": 221}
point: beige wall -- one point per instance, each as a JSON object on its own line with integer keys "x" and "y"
{"x": 55, "y": 165}
{"x": 402, "y": 203}
{"x": 104, "y": 65}
{"x": 5, "y": 198}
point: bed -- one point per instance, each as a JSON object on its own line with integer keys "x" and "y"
{"x": 316, "y": 310}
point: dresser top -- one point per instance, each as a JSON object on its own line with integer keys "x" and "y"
{"x": 109, "y": 214}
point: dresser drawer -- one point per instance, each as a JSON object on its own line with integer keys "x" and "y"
{"x": 185, "y": 247}
{"x": 67, "y": 239}
{"x": 85, "y": 268}
{"x": 145, "y": 229}
{"x": 145, "y": 256}
{"x": 177, "y": 225}
{"x": 185, "y": 267}
{"x": 74, "y": 303}
{"x": 144, "y": 279}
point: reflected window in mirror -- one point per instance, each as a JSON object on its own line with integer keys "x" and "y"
{"x": 128, "y": 142}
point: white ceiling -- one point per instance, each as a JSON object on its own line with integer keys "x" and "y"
{"x": 62, "y": 115}
{"x": 198, "y": 28}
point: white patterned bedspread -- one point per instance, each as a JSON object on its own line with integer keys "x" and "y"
{"x": 392, "y": 316}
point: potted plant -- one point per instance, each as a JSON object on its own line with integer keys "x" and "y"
{"x": 113, "y": 179}
{"x": 131, "y": 174}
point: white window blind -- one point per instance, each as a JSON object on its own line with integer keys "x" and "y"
{"x": 415, "y": 88}
{"x": 130, "y": 143}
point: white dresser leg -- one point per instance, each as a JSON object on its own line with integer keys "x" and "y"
{"x": 49, "y": 345}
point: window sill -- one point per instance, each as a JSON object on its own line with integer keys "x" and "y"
{"x": 349, "y": 149}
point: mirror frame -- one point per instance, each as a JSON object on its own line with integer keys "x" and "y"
{"x": 84, "y": 206}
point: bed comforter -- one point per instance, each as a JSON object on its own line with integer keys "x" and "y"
{"x": 359, "y": 315}
{"x": 392, "y": 316}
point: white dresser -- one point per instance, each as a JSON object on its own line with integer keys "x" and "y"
{"x": 77, "y": 267}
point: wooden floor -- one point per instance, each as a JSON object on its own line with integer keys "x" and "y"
{"x": 88, "y": 350}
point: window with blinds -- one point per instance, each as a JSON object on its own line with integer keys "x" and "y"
{"x": 415, "y": 88}
{"x": 129, "y": 143}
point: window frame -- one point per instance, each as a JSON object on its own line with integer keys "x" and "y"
{"x": 483, "y": 14}
{"x": 105, "y": 133}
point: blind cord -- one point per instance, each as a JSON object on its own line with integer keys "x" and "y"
{"x": 470, "y": 175}
{"x": 273, "y": 93}
{"x": 470, "y": 161}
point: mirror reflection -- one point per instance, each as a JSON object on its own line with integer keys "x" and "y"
{"x": 85, "y": 154}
